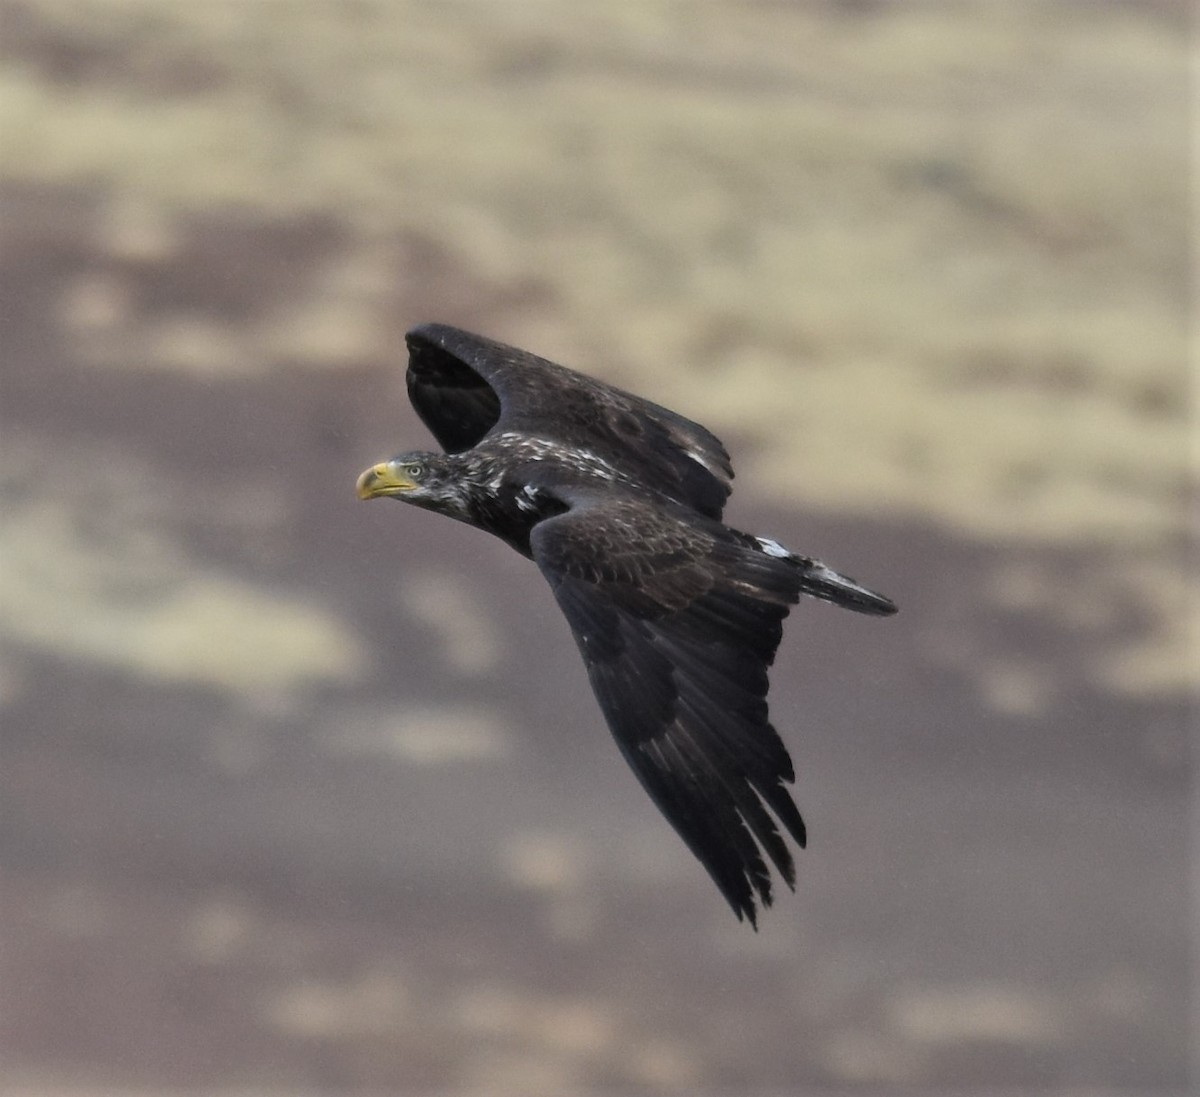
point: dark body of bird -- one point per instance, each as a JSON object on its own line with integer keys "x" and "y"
{"x": 677, "y": 616}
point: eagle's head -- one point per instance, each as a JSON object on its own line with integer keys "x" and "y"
{"x": 430, "y": 480}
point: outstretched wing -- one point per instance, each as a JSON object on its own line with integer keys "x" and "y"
{"x": 464, "y": 386}
{"x": 678, "y": 620}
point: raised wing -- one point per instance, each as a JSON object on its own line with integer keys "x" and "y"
{"x": 678, "y": 622}
{"x": 464, "y": 386}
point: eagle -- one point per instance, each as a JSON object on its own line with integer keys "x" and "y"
{"x": 677, "y": 616}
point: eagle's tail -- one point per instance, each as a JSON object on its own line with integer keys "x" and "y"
{"x": 819, "y": 581}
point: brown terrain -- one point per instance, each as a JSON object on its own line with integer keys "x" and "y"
{"x": 304, "y": 796}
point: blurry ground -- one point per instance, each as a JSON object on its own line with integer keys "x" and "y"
{"x": 302, "y": 795}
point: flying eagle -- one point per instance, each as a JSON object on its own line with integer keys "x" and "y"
{"x": 677, "y": 616}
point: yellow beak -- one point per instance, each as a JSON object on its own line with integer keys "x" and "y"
{"x": 383, "y": 479}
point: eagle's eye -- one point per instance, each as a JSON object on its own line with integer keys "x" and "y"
{"x": 414, "y": 472}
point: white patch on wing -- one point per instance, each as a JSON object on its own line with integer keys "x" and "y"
{"x": 527, "y": 498}
{"x": 703, "y": 462}
{"x": 535, "y": 449}
{"x": 541, "y": 449}
{"x": 774, "y": 548}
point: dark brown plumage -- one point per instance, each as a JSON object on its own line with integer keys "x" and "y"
{"x": 677, "y": 616}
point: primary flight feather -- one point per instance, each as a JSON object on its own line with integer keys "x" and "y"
{"x": 618, "y": 501}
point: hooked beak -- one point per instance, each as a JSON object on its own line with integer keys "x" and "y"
{"x": 383, "y": 479}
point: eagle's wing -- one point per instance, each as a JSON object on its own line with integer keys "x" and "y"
{"x": 678, "y": 619}
{"x": 464, "y": 386}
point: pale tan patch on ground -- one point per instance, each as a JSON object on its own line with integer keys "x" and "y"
{"x": 541, "y": 1043}
{"x": 1162, "y": 661}
{"x": 425, "y": 737}
{"x": 90, "y": 572}
{"x": 995, "y": 1013}
{"x": 1018, "y": 687}
{"x": 219, "y": 930}
{"x": 860, "y": 1058}
{"x": 557, "y": 868}
{"x": 374, "y": 1003}
{"x": 463, "y": 627}
{"x": 544, "y": 861}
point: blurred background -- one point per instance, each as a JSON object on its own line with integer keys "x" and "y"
{"x": 300, "y": 795}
